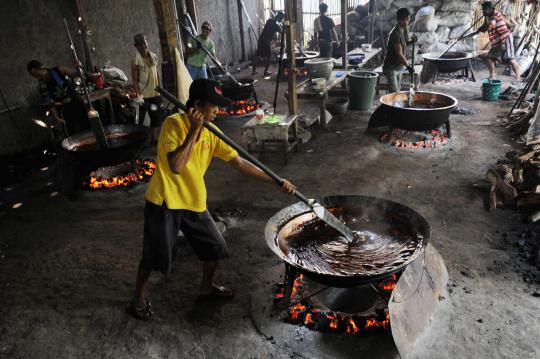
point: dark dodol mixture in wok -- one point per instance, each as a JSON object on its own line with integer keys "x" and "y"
{"x": 385, "y": 241}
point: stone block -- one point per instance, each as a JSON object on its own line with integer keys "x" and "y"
{"x": 457, "y": 5}
{"x": 436, "y": 47}
{"x": 426, "y": 38}
{"x": 454, "y": 19}
{"x": 458, "y": 31}
{"x": 385, "y": 4}
{"x": 443, "y": 32}
{"x": 409, "y": 4}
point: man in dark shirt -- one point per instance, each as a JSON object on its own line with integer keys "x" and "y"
{"x": 264, "y": 50}
{"x": 58, "y": 95}
{"x": 325, "y": 32}
{"x": 395, "y": 60}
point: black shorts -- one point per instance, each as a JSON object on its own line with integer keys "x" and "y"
{"x": 161, "y": 227}
{"x": 156, "y": 111}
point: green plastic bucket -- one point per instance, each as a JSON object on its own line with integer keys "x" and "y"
{"x": 361, "y": 89}
{"x": 491, "y": 89}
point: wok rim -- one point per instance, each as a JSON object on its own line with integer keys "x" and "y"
{"x": 89, "y": 133}
{"x": 434, "y": 56}
{"x": 454, "y": 100}
{"x": 271, "y": 235}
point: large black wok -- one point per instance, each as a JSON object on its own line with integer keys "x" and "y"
{"x": 431, "y": 111}
{"x": 452, "y": 61}
{"x": 124, "y": 142}
{"x": 393, "y": 236}
{"x": 243, "y": 89}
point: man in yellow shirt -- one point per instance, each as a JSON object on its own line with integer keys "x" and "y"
{"x": 176, "y": 196}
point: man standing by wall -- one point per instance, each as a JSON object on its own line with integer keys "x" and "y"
{"x": 500, "y": 40}
{"x": 325, "y": 32}
{"x": 196, "y": 63}
{"x": 145, "y": 75}
{"x": 395, "y": 59}
{"x": 264, "y": 50}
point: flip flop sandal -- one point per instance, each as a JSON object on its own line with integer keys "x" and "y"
{"x": 218, "y": 293}
{"x": 144, "y": 313}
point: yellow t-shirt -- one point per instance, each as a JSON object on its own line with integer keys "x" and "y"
{"x": 185, "y": 190}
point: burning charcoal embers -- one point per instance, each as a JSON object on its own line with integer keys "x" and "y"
{"x": 415, "y": 139}
{"x": 241, "y": 108}
{"x": 307, "y": 312}
{"x": 122, "y": 175}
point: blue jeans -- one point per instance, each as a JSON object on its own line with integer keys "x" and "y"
{"x": 197, "y": 72}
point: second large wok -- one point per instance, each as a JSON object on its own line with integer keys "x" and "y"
{"x": 450, "y": 62}
{"x": 431, "y": 110}
{"x": 124, "y": 141}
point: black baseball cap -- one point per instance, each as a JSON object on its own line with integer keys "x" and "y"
{"x": 402, "y": 13}
{"x": 207, "y": 91}
{"x": 487, "y": 5}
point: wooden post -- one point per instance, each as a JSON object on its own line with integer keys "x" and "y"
{"x": 170, "y": 39}
{"x": 179, "y": 39}
{"x": 81, "y": 24}
{"x": 290, "y": 19}
{"x": 299, "y": 23}
{"x": 371, "y": 20}
{"x": 241, "y": 24}
{"x": 344, "y": 33}
{"x": 168, "y": 28}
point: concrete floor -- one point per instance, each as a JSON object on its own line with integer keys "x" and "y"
{"x": 67, "y": 268}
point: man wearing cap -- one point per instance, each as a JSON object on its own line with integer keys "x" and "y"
{"x": 196, "y": 63}
{"x": 395, "y": 60}
{"x": 145, "y": 75}
{"x": 264, "y": 49}
{"x": 500, "y": 40}
{"x": 176, "y": 195}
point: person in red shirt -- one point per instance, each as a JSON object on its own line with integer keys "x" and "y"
{"x": 500, "y": 39}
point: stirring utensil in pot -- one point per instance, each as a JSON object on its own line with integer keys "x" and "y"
{"x": 411, "y": 88}
{"x": 315, "y": 206}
